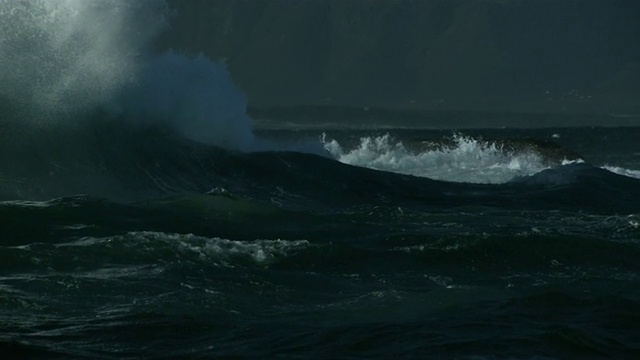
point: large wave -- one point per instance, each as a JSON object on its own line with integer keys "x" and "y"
{"x": 61, "y": 58}
{"x": 64, "y": 61}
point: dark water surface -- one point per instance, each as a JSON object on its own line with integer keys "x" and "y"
{"x": 144, "y": 214}
{"x": 132, "y": 242}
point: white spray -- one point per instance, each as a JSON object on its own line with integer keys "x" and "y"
{"x": 59, "y": 58}
{"x": 468, "y": 160}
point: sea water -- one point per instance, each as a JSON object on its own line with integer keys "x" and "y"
{"x": 144, "y": 215}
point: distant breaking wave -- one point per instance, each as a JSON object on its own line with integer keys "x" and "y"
{"x": 622, "y": 171}
{"x": 462, "y": 159}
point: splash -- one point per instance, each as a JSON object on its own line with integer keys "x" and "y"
{"x": 62, "y": 56}
{"x": 466, "y": 160}
{"x": 63, "y": 59}
{"x": 195, "y": 96}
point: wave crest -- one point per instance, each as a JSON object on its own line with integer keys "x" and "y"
{"x": 463, "y": 159}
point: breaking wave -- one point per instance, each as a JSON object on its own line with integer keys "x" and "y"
{"x": 623, "y": 171}
{"x": 62, "y": 59}
{"x": 462, "y": 159}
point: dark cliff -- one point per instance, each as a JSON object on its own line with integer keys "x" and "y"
{"x": 510, "y": 55}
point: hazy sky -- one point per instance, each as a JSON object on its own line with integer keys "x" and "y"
{"x": 508, "y": 55}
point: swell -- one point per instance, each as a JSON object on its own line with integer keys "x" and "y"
{"x": 135, "y": 162}
{"x": 108, "y": 159}
{"x": 338, "y": 297}
{"x": 409, "y": 226}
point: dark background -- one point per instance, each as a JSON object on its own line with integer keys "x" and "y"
{"x": 523, "y": 56}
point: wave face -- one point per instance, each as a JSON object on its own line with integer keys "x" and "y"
{"x": 142, "y": 217}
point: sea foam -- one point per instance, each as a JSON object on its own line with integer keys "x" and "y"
{"x": 467, "y": 160}
{"x": 623, "y": 171}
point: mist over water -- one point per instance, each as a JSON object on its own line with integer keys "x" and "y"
{"x": 60, "y": 58}
{"x": 195, "y": 96}
{"x": 70, "y": 55}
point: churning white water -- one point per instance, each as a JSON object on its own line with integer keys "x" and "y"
{"x": 466, "y": 160}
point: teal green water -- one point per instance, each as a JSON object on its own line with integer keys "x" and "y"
{"x": 158, "y": 247}
{"x": 144, "y": 214}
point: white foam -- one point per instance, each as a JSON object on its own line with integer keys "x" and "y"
{"x": 468, "y": 160}
{"x": 189, "y": 247}
{"x": 622, "y": 171}
{"x": 26, "y": 204}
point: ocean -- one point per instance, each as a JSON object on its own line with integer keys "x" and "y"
{"x": 144, "y": 214}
